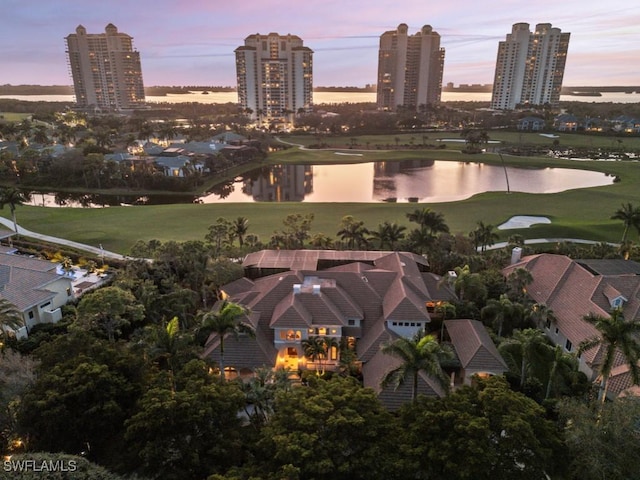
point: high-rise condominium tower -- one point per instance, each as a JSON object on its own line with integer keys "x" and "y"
{"x": 530, "y": 67}
{"x": 275, "y": 77}
{"x": 105, "y": 69}
{"x": 409, "y": 68}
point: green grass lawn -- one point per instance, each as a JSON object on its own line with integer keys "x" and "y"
{"x": 418, "y": 139}
{"x": 13, "y": 117}
{"x": 583, "y": 213}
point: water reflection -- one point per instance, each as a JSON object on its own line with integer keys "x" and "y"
{"x": 398, "y": 181}
{"x": 280, "y": 183}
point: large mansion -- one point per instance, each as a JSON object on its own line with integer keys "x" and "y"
{"x": 363, "y": 298}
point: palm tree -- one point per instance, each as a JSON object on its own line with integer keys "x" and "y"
{"x": 145, "y": 132}
{"x": 518, "y": 280}
{"x": 499, "y": 312}
{"x": 354, "y": 232}
{"x": 239, "y": 228}
{"x": 13, "y": 197}
{"x": 422, "y": 353}
{"x": 314, "y": 349}
{"x": 617, "y": 336}
{"x": 483, "y": 236}
{"x": 468, "y": 286}
{"x": 225, "y": 321}
{"x": 524, "y": 350}
{"x": 630, "y": 216}
{"x": 322, "y": 241}
{"x": 166, "y": 343}
{"x": 540, "y": 314}
{"x": 317, "y": 349}
{"x": 432, "y": 221}
{"x": 10, "y": 317}
{"x": 562, "y": 366}
{"x": 389, "y": 233}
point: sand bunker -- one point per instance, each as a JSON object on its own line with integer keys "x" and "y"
{"x": 522, "y": 221}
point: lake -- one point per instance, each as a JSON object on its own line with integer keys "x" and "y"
{"x": 398, "y": 181}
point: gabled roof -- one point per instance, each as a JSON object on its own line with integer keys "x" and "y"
{"x": 24, "y": 280}
{"x": 474, "y": 346}
{"x": 290, "y": 313}
{"x": 576, "y": 288}
{"x": 380, "y": 364}
{"x": 402, "y": 303}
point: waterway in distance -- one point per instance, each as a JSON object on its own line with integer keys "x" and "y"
{"x": 334, "y": 97}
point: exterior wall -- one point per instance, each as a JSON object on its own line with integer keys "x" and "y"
{"x": 410, "y": 68}
{"x": 554, "y": 333}
{"x": 275, "y": 77}
{"x": 49, "y": 310}
{"x": 406, "y": 328}
{"x": 530, "y": 67}
{"x": 105, "y": 69}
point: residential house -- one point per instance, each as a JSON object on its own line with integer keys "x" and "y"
{"x": 533, "y": 124}
{"x": 180, "y": 166}
{"x": 34, "y": 287}
{"x": 566, "y": 123}
{"x": 593, "y": 124}
{"x": 361, "y": 298}
{"x": 625, "y": 124}
{"x": 573, "y": 289}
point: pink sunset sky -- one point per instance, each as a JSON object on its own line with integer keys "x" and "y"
{"x": 191, "y": 42}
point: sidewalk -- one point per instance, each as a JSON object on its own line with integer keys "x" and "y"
{"x": 61, "y": 241}
{"x": 532, "y": 241}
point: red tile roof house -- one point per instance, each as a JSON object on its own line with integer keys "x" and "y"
{"x": 576, "y": 288}
{"x": 368, "y": 297}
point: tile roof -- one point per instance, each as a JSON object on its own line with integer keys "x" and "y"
{"x": 330, "y": 288}
{"x": 308, "y": 259}
{"x": 24, "y": 280}
{"x": 374, "y": 371}
{"x": 574, "y": 289}
{"x": 474, "y": 346}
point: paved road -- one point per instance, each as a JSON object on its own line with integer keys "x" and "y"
{"x": 62, "y": 241}
{"x": 532, "y": 241}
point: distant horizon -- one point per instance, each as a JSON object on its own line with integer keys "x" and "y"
{"x": 192, "y": 42}
{"x": 234, "y": 87}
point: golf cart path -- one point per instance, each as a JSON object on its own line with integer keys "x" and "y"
{"x": 61, "y": 241}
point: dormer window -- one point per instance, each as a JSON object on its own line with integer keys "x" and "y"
{"x": 617, "y": 302}
{"x": 615, "y": 298}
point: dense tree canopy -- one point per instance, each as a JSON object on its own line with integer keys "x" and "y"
{"x": 488, "y": 432}
{"x": 331, "y": 430}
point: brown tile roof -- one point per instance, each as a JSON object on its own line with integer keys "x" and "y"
{"x": 241, "y": 285}
{"x": 24, "y": 280}
{"x": 308, "y": 259}
{"x": 574, "y": 289}
{"x": 290, "y": 313}
{"x": 474, "y": 346}
{"x": 370, "y": 343}
{"x": 437, "y": 290}
{"x": 611, "y": 266}
{"x": 374, "y": 371}
{"x": 379, "y": 280}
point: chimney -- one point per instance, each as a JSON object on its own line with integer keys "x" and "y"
{"x": 516, "y": 254}
{"x": 297, "y": 288}
{"x": 316, "y": 289}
